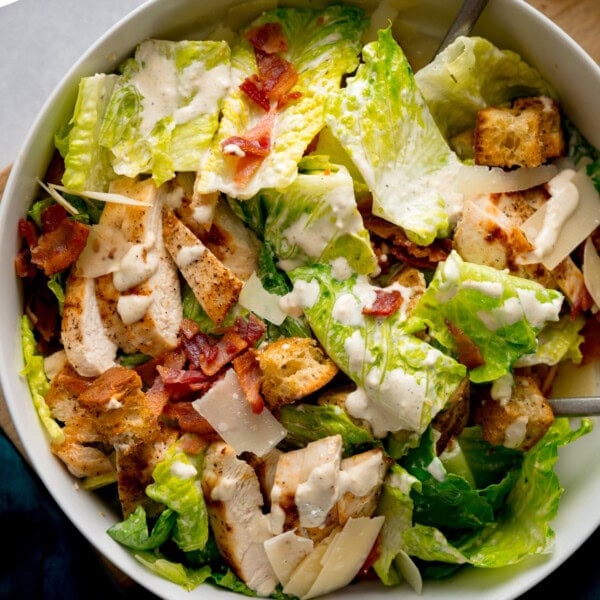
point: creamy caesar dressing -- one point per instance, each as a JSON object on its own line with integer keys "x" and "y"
{"x": 502, "y": 388}
{"x": 133, "y": 307}
{"x": 165, "y": 90}
{"x": 189, "y": 254}
{"x": 183, "y": 470}
{"x": 303, "y": 295}
{"x": 493, "y": 289}
{"x": 563, "y": 201}
{"x": 359, "y": 477}
{"x": 316, "y": 496}
{"x": 137, "y": 265}
{"x": 516, "y": 432}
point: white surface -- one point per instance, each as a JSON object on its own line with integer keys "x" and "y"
{"x": 39, "y": 41}
{"x": 53, "y": 40}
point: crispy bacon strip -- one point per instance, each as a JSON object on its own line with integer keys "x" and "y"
{"x": 252, "y": 87}
{"x": 248, "y": 370}
{"x": 188, "y": 419}
{"x": 180, "y": 383}
{"x": 61, "y": 247}
{"x": 277, "y": 75}
{"x": 386, "y": 303}
{"x": 468, "y": 352}
{"x": 268, "y": 38}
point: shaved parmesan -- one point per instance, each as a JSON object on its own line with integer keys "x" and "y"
{"x": 306, "y": 573}
{"x": 345, "y": 555}
{"x": 58, "y": 198}
{"x": 104, "y": 249}
{"x": 101, "y": 196}
{"x": 591, "y": 270}
{"x": 225, "y": 407}
{"x": 473, "y": 180}
{"x": 409, "y": 571}
{"x": 255, "y": 298}
{"x": 285, "y": 552}
{"x": 580, "y": 224}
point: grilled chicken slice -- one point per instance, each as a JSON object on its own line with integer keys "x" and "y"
{"x": 234, "y": 502}
{"x": 87, "y": 343}
{"x": 140, "y": 302}
{"x": 214, "y": 285}
{"x": 489, "y": 233}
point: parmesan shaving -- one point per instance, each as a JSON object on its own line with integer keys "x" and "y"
{"x": 255, "y": 298}
{"x": 473, "y": 180}
{"x": 579, "y": 225}
{"x": 101, "y": 196}
{"x": 591, "y": 270}
{"x": 50, "y": 189}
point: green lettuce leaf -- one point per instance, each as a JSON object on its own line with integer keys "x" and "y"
{"x": 176, "y": 485}
{"x": 502, "y": 314}
{"x": 402, "y": 381}
{"x": 87, "y": 163}
{"x": 160, "y": 129}
{"x": 314, "y": 219}
{"x": 472, "y": 74}
{"x": 35, "y": 374}
{"x": 307, "y": 423}
{"x": 557, "y": 341}
{"x": 187, "y": 578}
{"x": 523, "y": 527}
{"x": 133, "y": 531}
{"x": 323, "y": 45}
{"x": 382, "y": 121}
{"x": 396, "y": 506}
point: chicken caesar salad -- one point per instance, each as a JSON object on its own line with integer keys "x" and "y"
{"x": 295, "y": 310}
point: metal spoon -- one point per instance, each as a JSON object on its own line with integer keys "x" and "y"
{"x": 464, "y": 21}
{"x": 582, "y": 406}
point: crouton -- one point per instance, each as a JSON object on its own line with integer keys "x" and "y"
{"x": 519, "y": 422}
{"x": 526, "y": 134}
{"x": 292, "y": 369}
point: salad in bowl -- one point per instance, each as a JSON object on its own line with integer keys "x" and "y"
{"x": 293, "y": 306}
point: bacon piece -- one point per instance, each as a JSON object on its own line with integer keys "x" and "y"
{"x": 422, "y": 257}
{"x": 251, "y": 330}
{"x": 28, "y": 232}
{"x": 268, "y": 38}
{"x": 277, "y": 75}
{"x": 188, "y": 419}
{"x": 252, "y": 87}
{"x": 247, "y": 368}
{"x": 60, "y": 248}
{"x": 52, "y": 217}
{"x": 468, "y": 352}
{"x": 180, "y": 383}
{"x": 386, "y": 303}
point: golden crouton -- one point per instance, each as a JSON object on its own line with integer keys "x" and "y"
{"x": 292, "y": 369}
{"x": 454, "y": 417}
{"x": 551, "y": 129}
{"x": 526, "y": 134}
{"x": 519, "y": 422}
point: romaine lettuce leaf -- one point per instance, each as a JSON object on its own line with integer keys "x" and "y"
{"x": 35, "y": 374}
{"x": 557, "y": 341}
{"x": 133, "y": 531}
{"x": 323, "y": 45}
{"x": 523, "y": 527}
{"x": 315, "y": 219}
{"x": 500, "y": 313}
{"x": 187, "y": 578}
{"x": 307, "y": 423}
{"x": 160, "y": 128}
{"x": 382, "y": 121}
{"x": 87, "y": 163}
{"x": 176, "y": 485}
{"x": 402, "y": 381}
{"x": 471, "y": 74}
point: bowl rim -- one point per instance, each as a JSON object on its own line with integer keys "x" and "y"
{"x": 77, "y": 506}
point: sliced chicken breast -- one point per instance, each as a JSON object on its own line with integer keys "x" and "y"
{"x": 234, "y": 502}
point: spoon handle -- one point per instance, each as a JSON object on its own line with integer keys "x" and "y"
{"x": 464, "y": 21}
{"x": 582, "y": 406}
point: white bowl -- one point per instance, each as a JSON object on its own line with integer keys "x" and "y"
{"x": 508, "y": 23}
